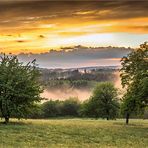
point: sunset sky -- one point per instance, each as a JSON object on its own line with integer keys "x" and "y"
{"x": 38, "y": 26}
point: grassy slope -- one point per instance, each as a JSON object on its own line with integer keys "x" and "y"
{"x": 74, "y": 133}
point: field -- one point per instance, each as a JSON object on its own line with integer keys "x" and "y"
{"x": 74, "y": 133}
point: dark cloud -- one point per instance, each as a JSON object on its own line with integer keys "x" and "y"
{"x": 78, "y": 56}
{"x": 18, "y": 12}
{"x": 42, "y": 36}
{"x": 21, "y": 41}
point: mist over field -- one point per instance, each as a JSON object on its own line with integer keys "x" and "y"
{"x": 81, "y": 93}
{"x": 63, "y": 94}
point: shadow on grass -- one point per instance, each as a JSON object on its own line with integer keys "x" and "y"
{"x": 15, "y": 123}
{"x": 129, "y": 125}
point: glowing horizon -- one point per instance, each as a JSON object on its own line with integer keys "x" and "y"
{"x": 38, "y": 26}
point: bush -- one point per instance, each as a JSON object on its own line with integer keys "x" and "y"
{"x": 58, "y": 108}
{"x": 70, "y": 107}
{"x": 51, "y": 109}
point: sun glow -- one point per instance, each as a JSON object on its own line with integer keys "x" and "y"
{"x": 87, "y": 40}
{"x": 27, "y": 27}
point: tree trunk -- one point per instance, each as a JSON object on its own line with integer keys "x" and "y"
{"x": 6, "y": 120}
{"x": 127, "y": 118}
{"x": 107, "y": 112}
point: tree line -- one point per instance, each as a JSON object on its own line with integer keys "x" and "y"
{"x": 102, "y": 104}
{"x": 20, "y": 90}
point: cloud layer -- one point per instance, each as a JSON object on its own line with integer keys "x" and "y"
{"x": 37, "y": 26}
{"x": 78, "y": 56}
{"x": 16, "y": 13}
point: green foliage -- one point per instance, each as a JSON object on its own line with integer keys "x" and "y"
{"x": 91, "y": 74}
{"x": 134, "y": 76}
{"x": 67, "y": 84}
{"x": 35, "y": 112}
{"x": 103, "y": 102}
{"x": 135, "y": 65}
{"x": 145, "y": 113}
{"x": 87, "y": 109}
{"x": 19, "y": 87}
{"x": 69, "y": 107}
{"x": 51, "y": 108}
{"x": 54, "y": 79}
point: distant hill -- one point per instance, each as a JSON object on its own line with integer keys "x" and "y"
{"x": 76, "y": 82}
{"x": 98, "y": 74}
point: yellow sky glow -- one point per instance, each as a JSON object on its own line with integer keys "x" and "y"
{"x": 33, "y": 34}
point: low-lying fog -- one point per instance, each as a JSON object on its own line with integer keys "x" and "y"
{"x": 62, "y": 94}
{"x": 81, "y": 94}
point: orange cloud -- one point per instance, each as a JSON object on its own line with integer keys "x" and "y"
{"x": 46, "y": 25}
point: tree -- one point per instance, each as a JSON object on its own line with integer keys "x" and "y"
{"x": 19, "y": 87}
{"x": 103, "y": 102}
{"x": 88, "y": 109}
{"x": 70, "y": 107}
{"x": 57, "y": 108}
{"x": 51, "y": 108}
{"x": 134, "y": 77}
{"x": 35, "y": 112}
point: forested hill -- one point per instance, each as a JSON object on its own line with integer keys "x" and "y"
{"x": 80, "y": 77}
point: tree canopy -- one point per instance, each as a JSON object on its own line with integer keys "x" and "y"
{"x": 19, "y": 87}
{"x": 103, "y": 103}
{"x": 134, "y": 76}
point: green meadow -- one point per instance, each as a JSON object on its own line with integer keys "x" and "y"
{"x": 71, "y": 133}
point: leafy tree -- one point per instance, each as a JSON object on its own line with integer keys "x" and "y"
{"x": 88, "y": 109}
{"x": 35, "y": 112}
{"x": 103, "y": 102}
{"x": 70, "y": 107}
{"x": 134, "y": 76}
{"x": 51, "y": 108}
{"x": 57, "y": 108}
{"x": 19, "y": 87}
